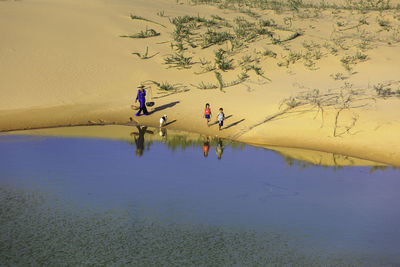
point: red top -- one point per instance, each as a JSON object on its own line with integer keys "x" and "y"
{"x": 207, "y": 111}
{"x": 206, "y": 148}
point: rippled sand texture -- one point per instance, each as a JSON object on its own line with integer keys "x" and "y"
{"x": 37, "y": 230}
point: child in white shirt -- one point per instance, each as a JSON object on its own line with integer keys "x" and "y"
{"x": 221, "y": 117}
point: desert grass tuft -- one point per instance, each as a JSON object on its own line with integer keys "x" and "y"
{"x": 220, "y": 81}
{"x": 384, "y": 23}
{"x": 178, "y": 60}
{"x": 385, "y": 90}
{"x": 143, "y": 34}
{"x": 221, "y": 61}
{"x": 349, "y": 61}
{"x": 145, "y": 55}
{"x": 212, "y": 37}
{"x": 269, "y": 53}
{"x": 338, "y": 76}
{"x": 144, "y": 19}
{"x": 205, "y": 86}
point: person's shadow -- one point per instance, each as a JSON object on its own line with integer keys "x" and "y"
{"x": 233, "y": 124}
{"x": 165, "y": 106}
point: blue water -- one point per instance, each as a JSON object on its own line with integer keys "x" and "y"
{"x": 350, "y": 209}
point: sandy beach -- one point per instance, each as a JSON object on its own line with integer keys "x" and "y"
{"x": 322, "y": 78}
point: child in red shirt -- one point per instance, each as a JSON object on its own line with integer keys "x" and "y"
{"x": 207, "y": 113}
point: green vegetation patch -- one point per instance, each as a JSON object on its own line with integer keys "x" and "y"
{"x": 143, "y": 34}
{"x": 144, "y": 19}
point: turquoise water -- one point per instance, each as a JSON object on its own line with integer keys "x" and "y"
{"x": 98, "y": 201}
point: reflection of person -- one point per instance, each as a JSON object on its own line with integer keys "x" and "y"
{"x": 207, "y": 113}
{"x": 141, "y": 96}
{"x": 163, "y": 134}
{"x": 206, "y": 147}
{"x": 221, "y": 117}
{"x": 140, "y": 140}
{"x": 219, "y": 148}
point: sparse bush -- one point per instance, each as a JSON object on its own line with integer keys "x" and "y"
{"x": 363, "y": 45}
{"x": 258, "y": 70}
{"x": 292, "y": 102}
{"x": 338, "y": 76}
{"x": 317, "y": 54}
{"x": 396, "y": 34}
{"x": 212, "y": 37}
{"x": 248, "y": 30}
{"x": 340, "y": 23}
{"x": 346, "y": 61}
{"x": 294, "y": 56}
{"x": 383, "y": 90}
{"x": 145, "y": 55}
{"x": 360, "y": 56}
{"x": 363, "y": 21}
{"x": 247, "y": 59}
{"x": 205, "y": 86}
{"x": 164, "y": 86}
{"x": 148, "y": 20}
{"x": 178, "y": 46}
{"x": 269, "y": 53}
{"x": 204, "y": 61}
{"x": 220, "y": 81}
{"x": 385, "y": 24}
{"x": 143, "y": 34}
{"x": 249, "y": 12}
{"x": 267, "y": 23}
{"x": 161, "y": 13}
{"x": 221, "y": 61}
{"x": 178, "y": 60}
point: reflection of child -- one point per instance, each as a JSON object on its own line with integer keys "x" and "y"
{"x": 221, "y": 117}
{"x": 219, "y": 148}
{"x": 207, "y": 113}
{"x": 206, "y": 147}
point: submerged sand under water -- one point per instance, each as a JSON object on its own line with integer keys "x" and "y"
{"x": 318, "y": 77}
{"x": 38, "y": 230}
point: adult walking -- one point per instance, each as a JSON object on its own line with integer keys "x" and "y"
{"x": 141, "y": 96}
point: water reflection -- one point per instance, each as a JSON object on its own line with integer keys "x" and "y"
{"x": 143, "y": 138}
{"x": 206, "y": 146}
{"x": 293, "y": 158}
{"x": 219, "y": 148}
{"x": 163, "y": 133}
{"x": 179, "y": 141}
{"x": 139, "y": 141}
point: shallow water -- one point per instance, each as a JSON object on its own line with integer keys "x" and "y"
{"x": 183, "y": 200}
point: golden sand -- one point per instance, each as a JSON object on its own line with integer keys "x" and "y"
{"x": 64, "y": 63}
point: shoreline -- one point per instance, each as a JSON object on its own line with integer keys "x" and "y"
{"x": 377, "y": 145}
{"x": 119, "y": 132}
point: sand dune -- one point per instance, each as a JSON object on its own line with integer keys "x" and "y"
{"x": 64, "y": 63}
